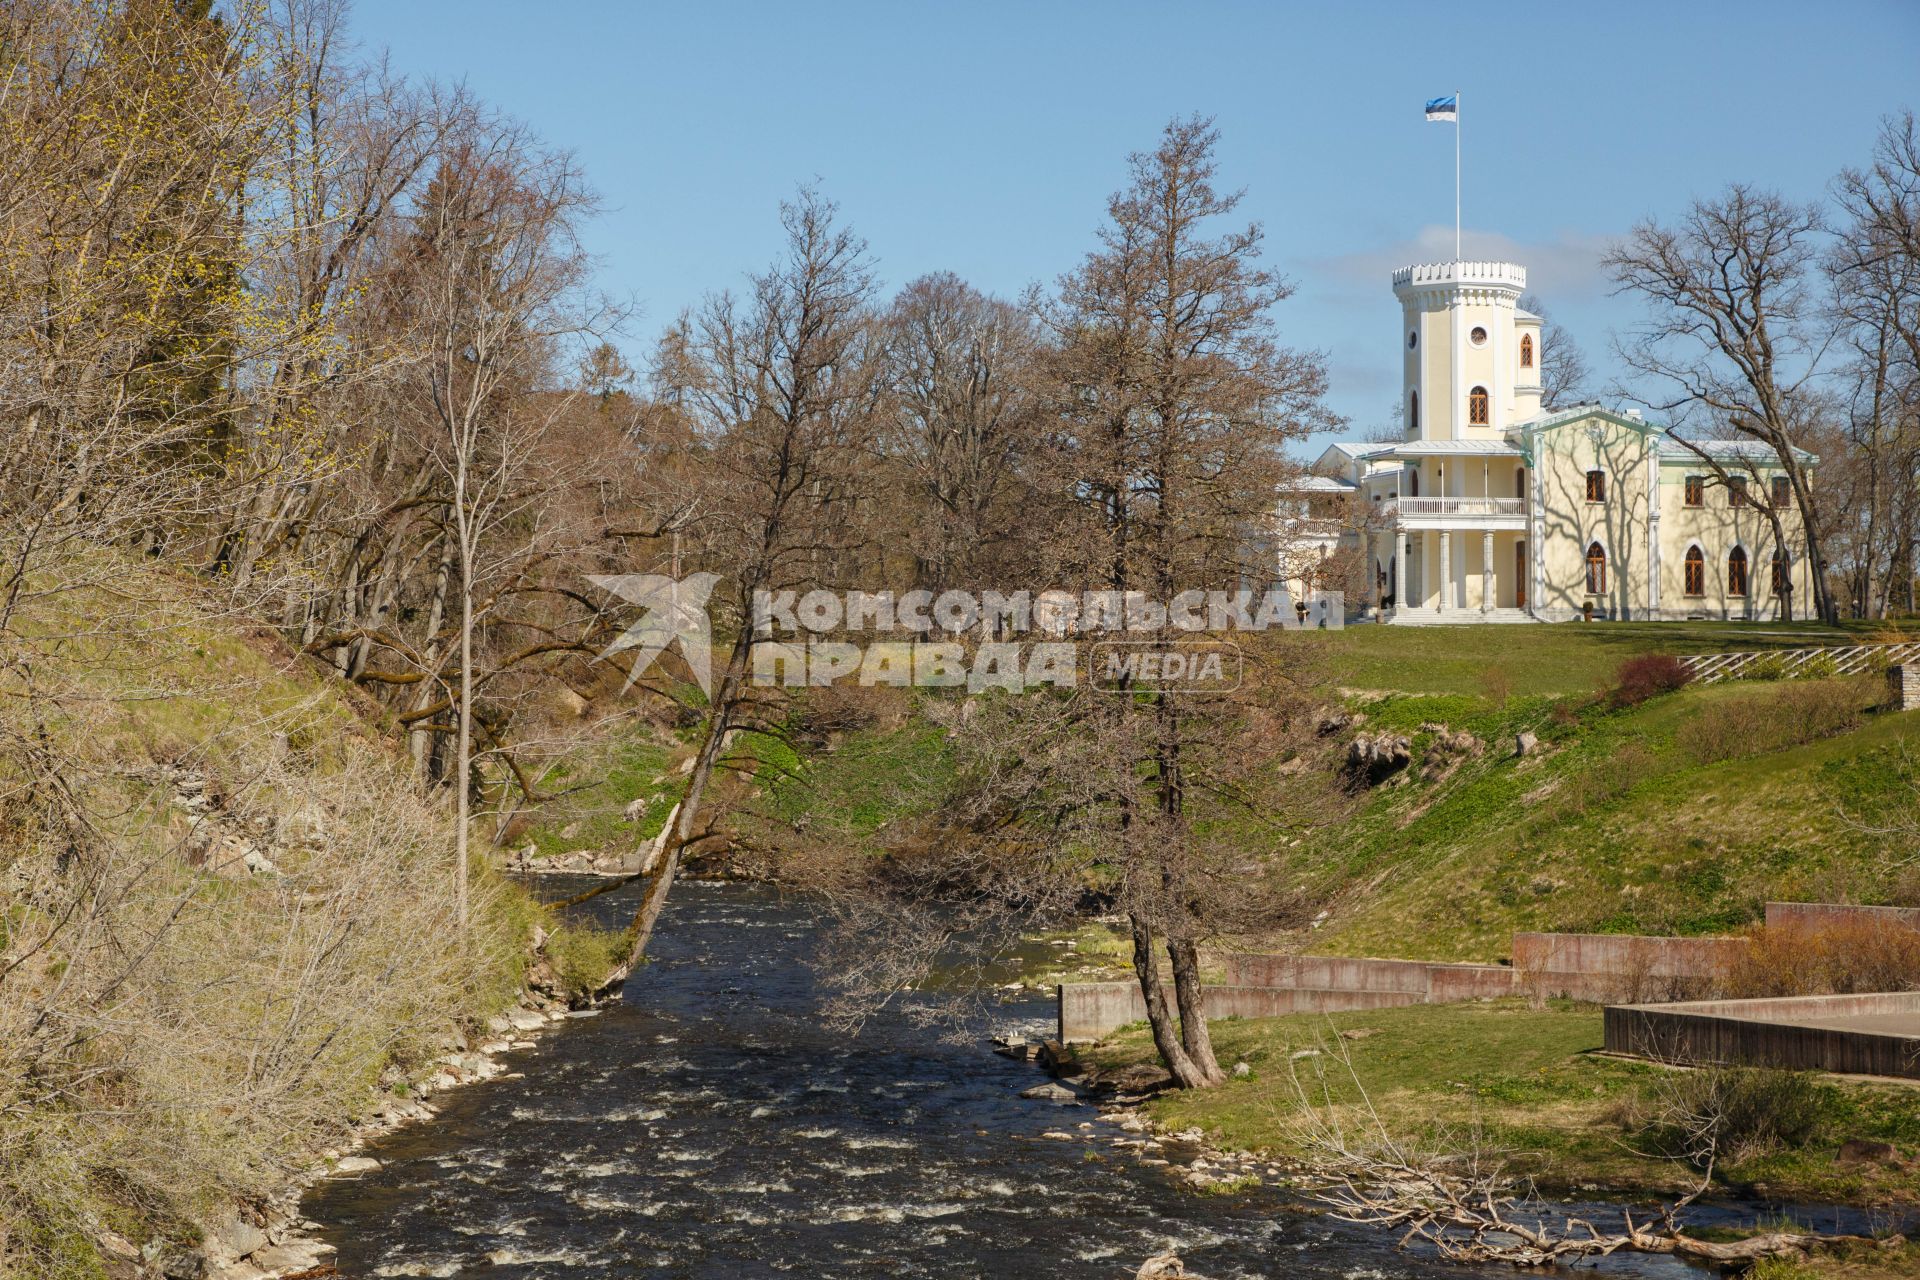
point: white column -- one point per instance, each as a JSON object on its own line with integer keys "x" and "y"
{"x": 1446, "y": 568}
{"x": 1486, "y": 571}
{"x": 1399, "y": 568}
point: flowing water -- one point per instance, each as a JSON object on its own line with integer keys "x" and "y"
{"x": 709, "y": 1125}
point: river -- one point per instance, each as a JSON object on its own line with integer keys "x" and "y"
{"x": 709, "y": 1125}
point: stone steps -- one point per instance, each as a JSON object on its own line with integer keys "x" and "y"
{"x": 1416, "y": 617}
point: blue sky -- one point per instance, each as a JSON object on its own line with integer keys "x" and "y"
{"x": 984, "y": 138}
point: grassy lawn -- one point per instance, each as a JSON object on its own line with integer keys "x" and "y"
{"x": 1563, "y": 658}
{"x": 1513, "y": 1080}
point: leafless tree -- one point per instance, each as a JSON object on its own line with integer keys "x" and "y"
{"x": 781, "y": 385}
{"x": 1735, "y": 335}
{"x": 1875, "y": 274}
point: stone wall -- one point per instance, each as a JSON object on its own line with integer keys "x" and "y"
{"x": 1821, "y": 915}
{"x": 1089, "y": 1010}
{"x": 1429, "y": 981}
{"x": 1903, "y": 687}
{"x": 1605, "y": 966}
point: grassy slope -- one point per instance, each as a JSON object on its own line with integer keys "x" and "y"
{"x": 1616, "y": 827}
{"x": 178, "y": 686}
{"x": 1561, "y": 659}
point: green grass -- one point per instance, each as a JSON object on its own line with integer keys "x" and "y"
{"x": 1565, "y": 658}
{"x": 1511, "y": 1079}
{"x": 867, "y": 784}
{"x": 596, "y": 786}
{"x": 1615, "y": 827}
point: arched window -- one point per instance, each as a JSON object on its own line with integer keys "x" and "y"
{"x": 1596, "y": 569}
{"x": 1781, "y": 567}
{"x": 1737, "y": 572}
{"x": 1696, "y": 572}
{"x": 1477, "y": 407}
{"x": 1413, "y": 411}
{"x": 1526, "y": 351}
{"x": 1413, "y": 483}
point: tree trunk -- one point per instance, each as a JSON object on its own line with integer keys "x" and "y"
{"x": 1190, "y": 994}
{"x": 1160, "y": 1018}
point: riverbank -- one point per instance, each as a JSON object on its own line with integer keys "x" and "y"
{"x": 1529, "y": 1085}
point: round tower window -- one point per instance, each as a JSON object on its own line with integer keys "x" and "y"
{"x": 1413, "y": 339}
{"x": 1478, "y": 337}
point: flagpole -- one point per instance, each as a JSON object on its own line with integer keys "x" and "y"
{"x": 1456, "y": 175}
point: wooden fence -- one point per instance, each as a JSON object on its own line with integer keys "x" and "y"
{"x": 1845, "y": 660}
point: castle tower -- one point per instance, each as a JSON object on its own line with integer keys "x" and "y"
{"x": 1472, "y": 357}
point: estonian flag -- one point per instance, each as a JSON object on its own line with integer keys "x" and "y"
{"x": 1444, "y": 109}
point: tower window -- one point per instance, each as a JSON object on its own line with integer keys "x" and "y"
{"x": 1596, "y": 486}
{"x": 1696, "y": 491}
{"x": 1526, "y": 351}
{"x": 1477, "y": 407}
{"x": 1413, "y": 339}
{"x": 1478, "y": 336}
{"x": 1696, "y": 572}
{"x": 1782, "y": 491}
{"x": 1413, "y": 411}
{"x": 1737, "y": 573}
{"x": 1596, "y": 569}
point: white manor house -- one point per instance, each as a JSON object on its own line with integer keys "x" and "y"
{"x": 1494, "y": 509}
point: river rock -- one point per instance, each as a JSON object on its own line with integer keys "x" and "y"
{"x": 357, "y": 1164}
{"x": 1052, "y": 1091}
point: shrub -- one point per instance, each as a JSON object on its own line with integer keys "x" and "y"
{"x": 1768, "y": 666}
{"x": 1645, "y": 675}
{"x": 1790, "y": 716}
{"x": 1827, "y": 959}
{"x": 1496, "y": 684}
{"x": 1735, "y": 1113}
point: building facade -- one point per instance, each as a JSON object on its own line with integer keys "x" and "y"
{"x": 1495, "y": 508}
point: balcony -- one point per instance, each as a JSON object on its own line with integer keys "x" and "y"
{"x": 1506, "y": 512}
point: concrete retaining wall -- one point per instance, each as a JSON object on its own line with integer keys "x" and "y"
{"x": 1772, "y": 1033}
{"x": 1820, "y": 915}
{"x": 1605, "y": 966}
{"x": 1089, "y": 1010}
{"x": 1430, "y": 981}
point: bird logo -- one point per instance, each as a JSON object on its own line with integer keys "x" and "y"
{"x": 670, "y": 609}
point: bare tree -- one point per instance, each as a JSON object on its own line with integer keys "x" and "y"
{"x": 781, "y": 385}
{"x": 1875, "y": 275}
{"x": 961, "y": 409}
{"x": 1734, "y": 334}
{"x": 1173, "y": 402}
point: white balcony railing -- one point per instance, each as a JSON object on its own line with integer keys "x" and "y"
{"x": 1458, "y": 507}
